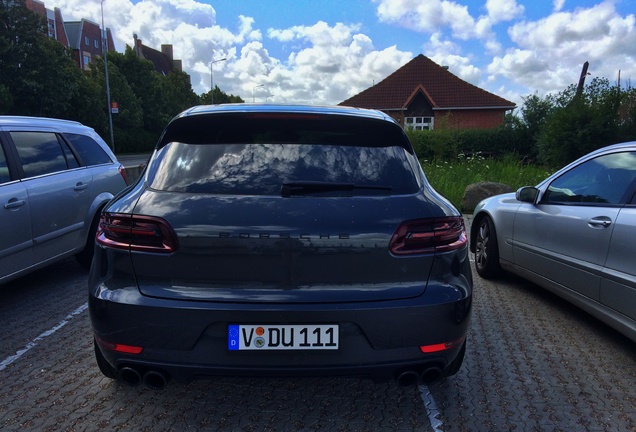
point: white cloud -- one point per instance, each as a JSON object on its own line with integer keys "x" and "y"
{"x": 438, "y": 44}
{"x": 327, "y": 62}
{"x": 459, "y": 66}
{"x": 503, "y": 10}
{"x": 558, "y": 5}
{"x": 331, "y": 63}
{"x": 550, "y": 52}
{"x": 428, "y": 16}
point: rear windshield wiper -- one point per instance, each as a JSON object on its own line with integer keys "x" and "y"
{"x": 325, "y": 188}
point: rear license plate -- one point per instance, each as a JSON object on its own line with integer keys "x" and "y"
{"x": 282, "y": 337}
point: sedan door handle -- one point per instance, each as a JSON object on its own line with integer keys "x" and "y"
{"x": 14, "y": 203}
{"x": 80, "y": 187}
{"x": 600, "y": 221}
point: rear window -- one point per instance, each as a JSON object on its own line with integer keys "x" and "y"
{"x": 283, "y": 153}
{"x": 88, "y": 149}
{"x": 263, "y": 169}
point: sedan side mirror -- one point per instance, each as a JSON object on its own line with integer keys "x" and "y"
{"x": 527, "y": 194}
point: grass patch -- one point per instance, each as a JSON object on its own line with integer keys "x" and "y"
{"x": 450, "y": 177}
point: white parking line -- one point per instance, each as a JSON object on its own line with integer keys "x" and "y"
{"x": 6, "y": 362}
{"x": 431, "y": 409}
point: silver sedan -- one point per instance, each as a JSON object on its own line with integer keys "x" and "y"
{"x": 573, "y": 234}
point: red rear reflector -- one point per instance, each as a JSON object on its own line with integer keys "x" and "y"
{"x": 429, "y": 236}
{"x": 136, "y": 233}
{"x": 126, "y": 349}
{"x": 427, "y": 349}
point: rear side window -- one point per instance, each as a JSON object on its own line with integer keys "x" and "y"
{"x": 42, "y": 153}
{"x": 263, "y": 169}
{"x": 89, "y": 151}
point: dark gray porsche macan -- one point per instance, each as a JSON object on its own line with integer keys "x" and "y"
{"x": 280, "y": 241}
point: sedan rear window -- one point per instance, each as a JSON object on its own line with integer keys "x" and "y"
{"x": 282, "y": 169}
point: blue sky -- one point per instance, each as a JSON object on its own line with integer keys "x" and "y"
{"x": 324, "y": 51}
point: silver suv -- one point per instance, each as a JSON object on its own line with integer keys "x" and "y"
{"x": 55, "y": 177}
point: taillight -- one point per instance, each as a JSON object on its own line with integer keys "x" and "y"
{"x": 429, "y": 236}
{"x": 136, "y": 233}
{"x": 122, "y": 171}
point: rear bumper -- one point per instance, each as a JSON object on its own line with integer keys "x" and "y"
{"x": 182, "y": 370}
{"x": 376, "y": 340}
{"x": 187, "y": 339}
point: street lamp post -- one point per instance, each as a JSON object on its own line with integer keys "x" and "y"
{"x": 105, "y": 52}
{"x": 254, "y": 88}
{"x": 212, "y": 77}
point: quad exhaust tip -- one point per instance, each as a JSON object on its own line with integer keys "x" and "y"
{"x": 413, "y": 377}
{"x": 158, "y": 380}
{"x": 130, "y": 376}
{"x": 154, "y": 379}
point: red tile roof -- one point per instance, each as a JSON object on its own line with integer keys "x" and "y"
{"x": 443, "y": 89}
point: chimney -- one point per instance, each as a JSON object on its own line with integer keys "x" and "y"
{"x": 167, "y": 50}
{"x": 137, "y": 46}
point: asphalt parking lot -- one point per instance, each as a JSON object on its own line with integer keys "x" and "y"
{"x": 533, "y": 363}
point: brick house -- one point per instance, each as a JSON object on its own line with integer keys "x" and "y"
{"x": 422, "y": 94}
{"x": 163, "y": 60}
{"x": 55, "y": 24}
{"x": 85, "y": 39}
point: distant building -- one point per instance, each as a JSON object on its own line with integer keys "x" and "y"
{"x": 85, "y": 39}
{"x": 55, "y": 24}
{"x": 420, "y": 93}
{"x": 163, "y": 60}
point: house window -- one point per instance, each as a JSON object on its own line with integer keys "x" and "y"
{"x": 418, "y": 123}
{"x": 95, "y": 43}
{"x": 87, "y": 41}
{"x": 87, "y": 60}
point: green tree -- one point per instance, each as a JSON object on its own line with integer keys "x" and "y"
{"x": 627, "y": 114}
{"x": 88, "y": 104}
{"x": 580, "y": 123}
{"x": 129, "y": 120}
{"x": 179, "y": 92}
{"x": 220, "y": 97}
{"x": 39, "y": 73}
{"x": 146, "y": 83}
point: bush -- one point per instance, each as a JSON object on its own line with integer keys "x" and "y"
{"x": 447, "y": 144}
{"x": 137, "y": 140}
{"x": 451, "y": 177}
